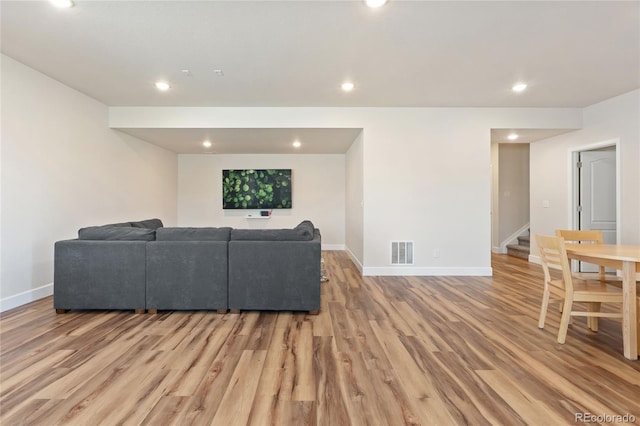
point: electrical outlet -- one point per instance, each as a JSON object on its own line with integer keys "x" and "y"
{"x": 436, "y": 253}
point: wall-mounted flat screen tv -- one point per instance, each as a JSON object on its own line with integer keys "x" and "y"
{"x": 256, "y": 189}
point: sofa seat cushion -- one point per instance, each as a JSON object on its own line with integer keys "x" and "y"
{"x": 193, "y": 234}
{"x": 303, "y": 232}
{"x": 148, "y": 223}
{"x": 116, "y": 233}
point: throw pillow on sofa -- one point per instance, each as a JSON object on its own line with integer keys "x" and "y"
{"x": 148, "y": 223}
{"x": 305, "y": 229}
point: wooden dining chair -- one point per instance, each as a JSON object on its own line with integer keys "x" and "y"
{"x": 568, "y": 289}
{"x": 588, "y": 236}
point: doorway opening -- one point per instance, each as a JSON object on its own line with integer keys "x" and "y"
{"x": 595, "y": 192}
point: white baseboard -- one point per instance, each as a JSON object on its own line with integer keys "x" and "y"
{"x": 499, "y": 250}
{"x": 333, "y": 247}
{"x": 25, "y": 297}
{"x": 429, "y": 271}
{"x": 354, "y": 259}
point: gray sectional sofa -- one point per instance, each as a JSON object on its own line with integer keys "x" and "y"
{"x": 145, "y": 266}
{"x": 187, "y": 269}
{"x": 105, "y": 268}
{"x": 275, "y": 269}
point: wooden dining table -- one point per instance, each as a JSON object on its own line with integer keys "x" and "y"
{"x": 625, "y": 258}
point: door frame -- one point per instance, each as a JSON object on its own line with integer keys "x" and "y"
{"x": 574, "y": 193}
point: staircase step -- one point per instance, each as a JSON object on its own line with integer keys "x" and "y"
{"x": 518, "y": 250}
{"x": 524, "y": 240}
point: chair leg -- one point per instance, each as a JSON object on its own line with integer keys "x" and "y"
{"x": 593, "y": 321}
{"x": 638, "y": 312}
{"x": 544, "y": 307}
{"x": 602, "y": 274}
{"x": 561, "y": 307}
{"x": 564, "y": 321}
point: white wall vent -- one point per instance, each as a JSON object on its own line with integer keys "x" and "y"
{"x": 402, "y": 252}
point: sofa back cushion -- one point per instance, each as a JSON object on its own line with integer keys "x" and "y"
{"x": 305, "y": 229}
{"x": 116, "y": 233}
{"x": 148, "y": 223}
{"x": 303, "y": 232}
{"x": 123, "y": 224}
{"x": 193, "y": 234}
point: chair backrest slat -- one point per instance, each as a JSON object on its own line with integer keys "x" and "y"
{"x": 590, "y": 236}
{"x": 553, "y": 253}
{"x": 583, "y": 236}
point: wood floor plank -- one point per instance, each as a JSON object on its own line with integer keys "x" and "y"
{"x": 15, "y": 402}
{"x": 394, "y": 401}
{"x": 208, "y": 396}
{"x": 352, "y": 385}
{"x": 381, "y": 351}
{"x": 167, "y": 411}
{"x": 370, "y": 347}
{"x": 531, "y": 410}
{"x": 267, "y": 408}
{"x": 304, "y": 388}
{"x": 237, "y": 401}
{"x": 331, "y": 408}
{"x": 415, "y": 381}
{"x": 322, "y": 324}
{"x": 36, "y": 368}
{"x": 380, "y": 295}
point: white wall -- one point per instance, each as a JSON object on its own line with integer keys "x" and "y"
{"x": 318, "y": 193}
{"x": 495, "y": 197}
{"x": 62, "y": 169}
{"x": 514, "y": 188}
{"x": 617, "y": 119}
{"x": 426, "y": 171}
{"x": 354, "y": 201}
{"x": 1, "y": 138}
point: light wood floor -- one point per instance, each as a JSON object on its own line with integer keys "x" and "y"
{"x": 382, "y": 351}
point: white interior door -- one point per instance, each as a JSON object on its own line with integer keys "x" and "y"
{"x": 597, "y": 195}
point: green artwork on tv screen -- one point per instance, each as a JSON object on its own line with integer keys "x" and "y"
{"x": 256, "y": 189}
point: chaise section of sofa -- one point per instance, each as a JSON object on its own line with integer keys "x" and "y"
{"x": 275, "y": 269}
{"x": 187, "y": 269}
{"x": 105, "y": 268}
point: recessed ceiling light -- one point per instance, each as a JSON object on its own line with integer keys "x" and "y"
{"x": 296, "y": 144}
{"x": 519, "y": 87}
{"x": 512, "y": 136}
{"x": 162, "y": 85}
{"x": 206, "y": 144}
{"x": 62, "y": 3}
{"x": 347, "y": 86}
{"x": 375, "y": 3}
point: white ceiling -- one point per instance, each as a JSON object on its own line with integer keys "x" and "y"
{"x": 296, "y": 53}
{"x": 525, "y": 135}
{"x": 250, "y": 141}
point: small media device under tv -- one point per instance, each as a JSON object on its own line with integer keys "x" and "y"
{"x": 256, "y": 189}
